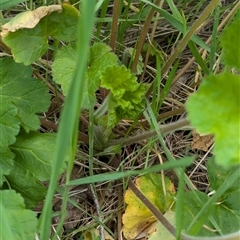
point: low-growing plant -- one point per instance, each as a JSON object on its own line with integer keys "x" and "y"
{"x": 31, "y": 160}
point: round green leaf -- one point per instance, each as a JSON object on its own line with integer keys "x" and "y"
{"x": 214, "y": 109}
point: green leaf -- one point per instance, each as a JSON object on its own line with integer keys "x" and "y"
{"x": 217, "y": 176}
{"x": 6, "y": 163}
{"x": 214, "y": 109}
{"x": 21, "y": 223}
{"x": 9, "y": 123}
{"x": 28, "y": 95}
{"x": 9, "y": 128}
{"x": 32, "y": 164}
{"x": 64, "y": 66}
{"x": 126, "y": 99}
{"x": 225, "y": 213}
{"x": 21, "y": 98}
{"x": 101, "y": 56}
{"x": 9, "y": 3}
{"x": 230, "y": 44}
{"x": 25, "y": 183}
{"x": 29, "y": 44}
{"x": 119, "y": 79}
{"x": 192, "y": 204}
{"x": 34, "y": 152}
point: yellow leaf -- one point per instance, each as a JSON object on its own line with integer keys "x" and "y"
{"x": 28, "y": 19}
{"x": 137, "y": 218}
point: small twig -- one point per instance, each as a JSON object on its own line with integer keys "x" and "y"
{"x": 164, "y": 129}
{"x": 101, "y": 228}
{"x": 165, "y": 115}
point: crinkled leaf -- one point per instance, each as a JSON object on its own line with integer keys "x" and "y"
{"x": 119, "y": 79}
{"x": 137, "y": 216}
{"x": 21, "y": 223}
{"x": 64, "y": 66}
{"x": 29, "y": 95}
{"x": 230, "y": 44}
{"x": 214, "y": 109}
{"x": 32, "y": 164}
{"x": 101, "y": 56}
{"x": 126, "y": 99}
{"x": 28, "y": 44}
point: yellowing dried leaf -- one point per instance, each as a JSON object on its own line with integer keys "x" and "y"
{"x": 148, "y": 231}
{"x": 137, "y": 226}
{"x": 28, "y": 19}
{"x": 137, "y": 218}
{"x": 201, "y": 142}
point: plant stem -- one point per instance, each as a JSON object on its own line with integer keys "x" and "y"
{"x": 164, "y": 129}
{"x": 102, "y": 109}
{"x": 114, "y": 29}
{"x": 142, "y": 38}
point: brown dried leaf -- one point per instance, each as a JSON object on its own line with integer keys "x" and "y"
{"x": 28, "y": 19}
{"x": 201, "y": 142}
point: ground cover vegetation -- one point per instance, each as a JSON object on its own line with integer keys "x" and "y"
{"x": 119, "y": 119}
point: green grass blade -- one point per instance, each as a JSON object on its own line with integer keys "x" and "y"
{"x": 117, "y": 175}
{"x": 179, "y": 204}
{"x": 168, "y": 84}
{"x": 71, "y": 111}
{"x": 156, "y": 86}
{"x": 174, "y": 10}
{"x": 214, "y": 38}
{"x": 198, "y": 57}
